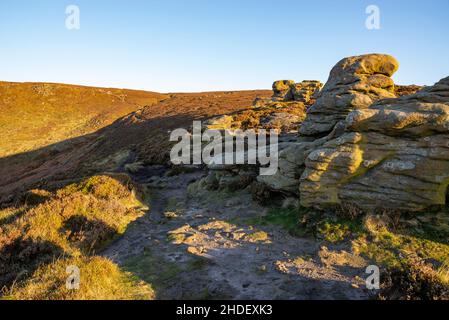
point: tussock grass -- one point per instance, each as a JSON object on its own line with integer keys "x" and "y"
{"x": 100, "y": 279}
{"x": 251, "y": 118}
{"x": 37, "y": 243}
{"x": 415, "y": 261}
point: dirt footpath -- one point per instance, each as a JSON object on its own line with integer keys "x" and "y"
{"x": 196, "y": 245}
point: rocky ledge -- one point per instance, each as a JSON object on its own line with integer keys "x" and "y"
{"x": 359, "y": 141}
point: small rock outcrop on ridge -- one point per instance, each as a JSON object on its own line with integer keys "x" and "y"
{"x": 288, "y": 90}
{"x": 354, "y": 83}
{"x": 282, "y": 90}
{"x": 306, "y": 90}
{"x": 284, "y": 111}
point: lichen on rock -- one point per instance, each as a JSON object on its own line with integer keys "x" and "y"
{"x": 395, "y": 154}
{"x": 354, "y": 83}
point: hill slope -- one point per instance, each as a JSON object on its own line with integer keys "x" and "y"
{"x": 34, "y": 115}
{"x": 58, "y": 132}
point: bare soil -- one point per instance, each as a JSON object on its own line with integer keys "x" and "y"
{"x": 198, "y": 246}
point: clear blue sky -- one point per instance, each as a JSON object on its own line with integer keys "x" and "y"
{"x": 203, "y": 45}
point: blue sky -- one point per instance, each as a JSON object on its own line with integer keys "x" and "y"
{"x": 203, "y": 45}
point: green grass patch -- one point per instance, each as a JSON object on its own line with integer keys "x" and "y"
{"x": 307, "y": 222}
{"x": 287, "y": 218}
{"x": 153, "y": 269}
{"x": 258, "y": 236}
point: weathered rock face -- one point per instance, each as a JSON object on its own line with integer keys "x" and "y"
{"x": 282, "y": 90}
{"x": 306, "y": 90}
{"x": 288, "y": 90}
{"x": 354, "y": 83}
{"x": 395, "y": 154}
{"x": 292, "y": 157}
{"x": 281, "y": 113}
{"x": 291, "y": 165}
{"x": 406, "y": 90}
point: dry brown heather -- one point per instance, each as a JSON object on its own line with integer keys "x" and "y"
{"x": 35, "y": 115}
{"x": 406, "y": 90}
{"x": 147, "y": 131}
{"x": 50, "y": 231}
{"x": 58, "y": 131}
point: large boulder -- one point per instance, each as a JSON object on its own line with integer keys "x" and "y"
{"x": 394, "y": 155}
{"x": 354, "y": 83}
{"x": 290, "y": 167}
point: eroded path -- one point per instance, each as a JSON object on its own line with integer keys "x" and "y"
{"x": 195, "y": 244}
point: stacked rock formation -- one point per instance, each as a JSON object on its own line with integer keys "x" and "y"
{"x": 354, "y": 84}
{"x": 284, "y": 111}
{"x": 288, "y": 90}
{"x": 395, "y": 154}
{"x": 306, "y": 90}
{"x": 363, "y": 142}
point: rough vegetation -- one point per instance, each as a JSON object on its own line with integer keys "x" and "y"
{"x": 362, "y": 180}
{"x": 35, "y": 115}
{"x": 142, "y": 135}
{"x": 38, "y": 241}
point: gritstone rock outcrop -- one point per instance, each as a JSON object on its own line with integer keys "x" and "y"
{"x": 395, "y": 154}
{"x": 354, "y": 83}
